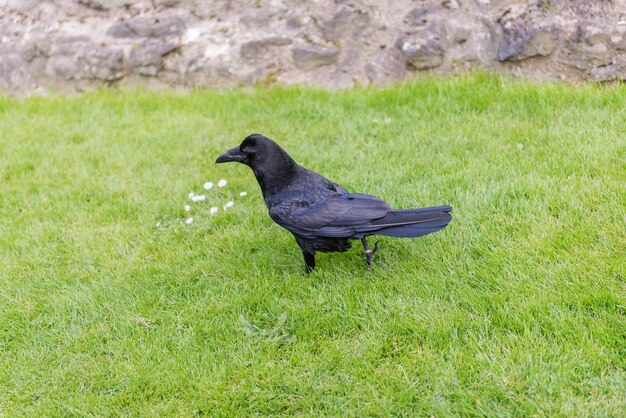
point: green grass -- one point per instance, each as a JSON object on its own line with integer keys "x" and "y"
{"x": 518, "y": 308}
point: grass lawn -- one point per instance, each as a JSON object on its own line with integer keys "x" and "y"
{"x": 518, "y": 308}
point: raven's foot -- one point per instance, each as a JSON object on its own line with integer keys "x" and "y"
{"x": 369, "y": 253}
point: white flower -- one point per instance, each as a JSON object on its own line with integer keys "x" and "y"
{"x": 243, "y": 194}
{"x": 208, "y": 185}
{"x": 221, "y": 183}
{"x": 229, "y": 205}
{"x": 214, "y": 210}
{"x": 187, "y": 208}
{"x": 158, "y": 224}
{"x": 191, "y": 195}
{"x": 189, "y": 220}
{"x": 198, "y": 198}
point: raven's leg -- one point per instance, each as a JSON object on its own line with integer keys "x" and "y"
{"x": 308, "y": 251}
{"x": 369, "y": 253}
{"x": 309, "y": 259}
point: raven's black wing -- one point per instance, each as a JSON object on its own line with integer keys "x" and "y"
{"x": 338, "y": 215}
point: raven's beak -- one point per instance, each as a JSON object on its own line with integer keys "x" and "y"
{"x": 230, "y": 155}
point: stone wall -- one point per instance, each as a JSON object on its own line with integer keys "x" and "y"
{"x": 74, "y": 45}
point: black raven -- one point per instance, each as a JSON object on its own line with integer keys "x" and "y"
{"x": 322, "y": 215}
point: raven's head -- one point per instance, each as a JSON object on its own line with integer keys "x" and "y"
{"x": 271, "y": 164}
{"x": 257, "y": 152}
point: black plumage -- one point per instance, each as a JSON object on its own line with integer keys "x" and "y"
{"x": 322, "y": 215}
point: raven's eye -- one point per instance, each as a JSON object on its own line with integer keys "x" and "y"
{"x": 249, "y": 153}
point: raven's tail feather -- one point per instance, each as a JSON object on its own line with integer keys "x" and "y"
{"x": 412, "y": 223}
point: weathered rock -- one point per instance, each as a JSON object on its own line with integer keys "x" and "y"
{"x": 12, "y": 72}
{"x": 386, "y": 67}
{"x": 6, "y": 68}
{"x": 521, "y": 43}
{"x": 105, "y": 5}
{"x": 61, "y": 67}
{"x": 167, "y": 3}
{"x": 253, "y": 50}
{"x": 308, "y": 57}
{"x": 591, "y": 46}
{"x": 345, "y": 23}
{"x": 78, "y": 58}
{"x": 149, "y": 27}
{"x": 526, "y": 33}
{"x": 426, "y": 48}
{"x": 101, "y": 63}
{"x": 419, "y": 16}
{"x": 346, "y": 29}
{"x": 461, "y": 34}
{"x": 66, "y": 45}
{"x": 94, "y": 4}
{"x": 596, "y": 51}
{"x": 36, "y": 48}
{"x": 471, "y": 45}
{"x": 255, "y": 17}
{"x": 147, "y": 57}
{"x": 62, "y": 54}
{"x": 607, "y": 73}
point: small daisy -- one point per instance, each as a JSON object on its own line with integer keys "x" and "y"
{"x": 243, "y": 194}
{"x": 187, "y": 208}
{"x": 208, "y": 185}
{"x": 214, "y": 210}
{"x": 198, "y": 198}
{"x": 229, "y": 205}
{"x": 221, "y": 183}
{"x": 191, "y": 195}
{"x": 189, "y": 220}
{"x": 142, "y": 321}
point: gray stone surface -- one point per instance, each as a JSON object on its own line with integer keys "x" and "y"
{"x": 308, "y": 57}
{"x": 527, "y": 32}
{"x": 386, "y": 67}
{"x": 148, "y": 27}
{"x": 148, "y": 57}
{"x": 345, "y": 23}
{"x": 81, "y": 44}
{"x": 597, "y": 52}
{"x": 426, "y": 48}
{"x": 258, "y": 49}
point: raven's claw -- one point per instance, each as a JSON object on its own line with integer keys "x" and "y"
{"x": 369, "y": 253}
